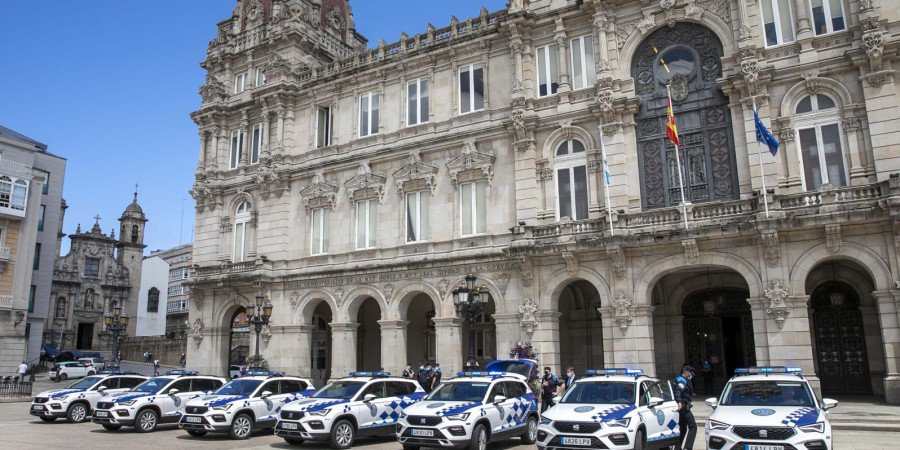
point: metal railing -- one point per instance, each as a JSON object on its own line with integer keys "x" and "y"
{"x": 11, "y": 387}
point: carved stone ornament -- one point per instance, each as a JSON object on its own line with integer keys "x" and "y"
{"x": 669, "y": 7}
{"x": 214, "y": 90}
{"x": 471, "y": 159}
{"x": 692, "y": 11}
{"x": 571, "y": 262}
{"x": 647, "y": 23}
{"x": 778, "y": 307}
{"x": 866, "y": 5}
{"x": 770, "y": 247}
{"x": 527, "y": 271}
{"x": 833, "y": 242}
{"x": 295, "y": 299}
{"x": 503, "y": 282}
{"x": 266, "y": 334}
{"x": 196, "y": 298}
{"x": 388, "y": 293}
{"x": 623, "y": 316}
{"x": 750, "y": 71}
{"x": 365, "y": 182}
{"x": 617, "y": 257}
{"x": 339, "y": 296}
{"x": 197, "y": 331}
{"x": 518, "y": 121}
{"x": 529, "y": 321}
{"x": 874, "y": 43}
{"x": 678, "y": 87}
{"x": 320, "y": 193}
{"x": 416, "y": 171}
{"x": 691, "y": 252}
{"x": 605, "y": 101}
{"x": 443, "y": 286}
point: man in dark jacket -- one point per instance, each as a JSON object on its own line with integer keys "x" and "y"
{"x": 686, "y": 424}
{"x": 422, "y": 377}
{"x": 549, "y": 386}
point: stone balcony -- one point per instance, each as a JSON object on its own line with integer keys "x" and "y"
{"x": 6, "y": 302}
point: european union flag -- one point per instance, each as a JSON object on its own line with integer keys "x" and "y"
{"x": 763, "y": 135}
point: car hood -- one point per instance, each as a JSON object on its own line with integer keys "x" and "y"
{"x": 585, "y": 412}
{"x": 314, "y": 404}
{"x": 778, "y": 416}
{"x": 56, "y": 393}
{"x": 440, "y": 408}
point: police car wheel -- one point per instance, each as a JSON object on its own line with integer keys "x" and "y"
{"x": 639, "y": 443}
{"x": 111, "y": 427}
{"x": 342, "y": 434}
{"x": 196, "y": 433}
{"x": 76, "y": 413}
{"x": 530, "y": 436}
{"x": 241, "y": 427}
{"x": 293, "y": 441}
{"x": 48, "y": 419}
{"x": 146, "y": 421}
{"x": 479, "y": 438}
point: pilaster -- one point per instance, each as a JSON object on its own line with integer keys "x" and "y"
{"x": 509, "y": 331}
{"x": 889, "y": 315}
{"x": 343, "y": 355}
{"x": 393, "y": 344}
{"x": 448, "y": 331}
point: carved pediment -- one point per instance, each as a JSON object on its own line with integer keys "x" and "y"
{"x": 365, "y": 184}
{"x": 471, "y": 160}
{"x": 415, "y": 171}
{"x": 320, "y": 193}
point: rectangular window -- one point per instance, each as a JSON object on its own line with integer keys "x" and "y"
{"x": 368, "y": 114}
{"x": 827, "y": 16}
{"x": 92, "y": 267}
{"x": 31, "y": 294}
{"x": 237, "y": 148}
{"x": 473, "y": 210}
{"x": 417, "y": 216}
{"x": 822, "y": 156}
{"x": 417, "y": 102}
{"x": 176, "y": 290}
{"x": 36, "y": 264}
{"x": 583, "y": 72}
{"x": 366, "y": 223}
{"x": 323, "y": 126}
{"x": 46, "y": 186}
{"x": 240, "y": 83}
{"x": 319, "y": 231}
{"x": 777, "y": 23}
{"x": 240, "y": 237}
{"x": 41, "y": 217}
{"x": 256, "y": 143}
{"x": 548, "y": 70}
{"x": 260, "y": 77}
{"x": 571, "y": 184}
{"x": 19, "y": 194}
{"x": 471, "y": 88}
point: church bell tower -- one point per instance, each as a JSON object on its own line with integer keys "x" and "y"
{"x": 130, "y": 253}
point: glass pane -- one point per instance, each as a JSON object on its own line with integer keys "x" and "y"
{"x": 423, "y": 101}
{"x": 563, "y": 149}
{"x": 257, "y": 141}
{"x": 466, "y": 205}
{"x": 316, "y": 238}
{"x": 478, "y": 87}
{"x": 577, "y": 146}
{"x": 373, "y": 218}
{"x": 364, "y": 115}
{"x": 581, "y": 193}
{"x": 480, "y": 207}
{"x": 804, "y": 106}
{"x": 818, "y": 16}
{"x": 834, "y": 157}
{"x": 768, "y": 16}
{"x": 577, "y": 64}
{"x": 564, "y": 190}
{"x": 234, "y": 149}
{"x": 542, "y": 71}
{"x": 423, "y": 215}
{"x": 411, "y": 214}
{"x": 787, "y": 23}
{"x": 239, "y": 242}
{"x": 554, "y": 70}
{"x": 809, "y": 152}
{"x": 825, "y": 102}
{"x": 374, "y": 126}
{"x": 412, "y": 96}
{"x": 361, "y": 224}
{"x": 465, "y": 90}
{"x": 589, "y": 60}
{"x": 320, "y": 127}
{"x": 696, "y": 164}
{"x": 837, "y": 15}
{"x": 326, "y": 232}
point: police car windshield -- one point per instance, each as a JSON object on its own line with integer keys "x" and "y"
{"x": 340, "y": 389}
{"x": 766, "y": 393}
{"x": 238, "y": 387}
{"x": 85, "y": 383}
{"x": 603, "y": 392}
{"x": 460, "y": 391}
{"x": 152, "y": 385}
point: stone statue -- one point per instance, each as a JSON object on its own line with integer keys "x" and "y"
{"x": 153, "y": 300}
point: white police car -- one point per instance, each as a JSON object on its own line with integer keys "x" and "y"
{"x": 612, "y": 408}
{"x": 244, "y": 404}
{"x": 768, "y": 408}
{"x": 157, "y": 400}
{"x": 474, "y": 409}
{"x": 78, "y": 400}
{"x": 363, "y": 404}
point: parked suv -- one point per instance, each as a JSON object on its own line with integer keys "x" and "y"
{"x": 62, "y": 371}
{"x": 474, "y": 409}
{"x": 97, "y": 363}
{"x": 77, "y": 401}
{"x": 157, "y": 400}
{"x": 244, "y": 405}
{"x": 363, "y": 404}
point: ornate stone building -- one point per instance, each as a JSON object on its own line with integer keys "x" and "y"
{"x": 98, "y": 273}
{"x": 356, "y": 187}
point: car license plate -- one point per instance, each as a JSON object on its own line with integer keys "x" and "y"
{"x": 101, "y": 414}
{"x": 193, "y": 419}
{"x": 575, "y": 441}
{"x": 763, "y": 447}
{"x": 288, "y": 426}
{"x": 37, "y": 408}
{"x": 429, "y": 433}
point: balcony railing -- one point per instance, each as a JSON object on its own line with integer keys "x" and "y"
{"x": 15, "y": 169}
{"x": 238, "y": 267}
{"x": 5, "y": 253}
{"x": 6, "y": 301}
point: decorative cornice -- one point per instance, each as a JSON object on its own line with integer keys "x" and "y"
{"x": 471, "y": 159}
{"x": 320, "y": 193}
{"x": 363, "y": 181}
{"x": 415, "y": 170}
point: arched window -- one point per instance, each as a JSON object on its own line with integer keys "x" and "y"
{"x": 817, "y": 120}
{"x": 570, "y": 163}
{"x": 134, "y": 233}
{"x": 241, "y": 223}
{"x": 61, "y": 307}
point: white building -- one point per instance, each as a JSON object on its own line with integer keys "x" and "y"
{"x": 152, "y": 298}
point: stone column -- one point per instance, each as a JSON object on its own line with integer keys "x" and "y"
{"x": 803, "y": 30}
{"x": 245, "y": 146}
{"x": 546, "y": 339}
{"x": 634, "y": 347}
{"x": 790, "y": 342}
{"x": 889, "y": 315}
{"x": 393, "y": 345}
{"x": 219, "y": 157}
{"x": 601, "y": 23}
{"x": 302, "y": 355}
{"x": 343, "y": 353}
{"x": 509, "y": 331}
{"x": 280, "y": 138}
{"x": 760, "y": 327}
{"x": 201, "y": 159}
{"x": 448, "y": 351}
{"x": 562, "y": 50}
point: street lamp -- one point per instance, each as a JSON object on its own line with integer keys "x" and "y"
{"x": 469, "y": 302}
{"x": 258, "y": 320}
{"x": 115, "y": 324}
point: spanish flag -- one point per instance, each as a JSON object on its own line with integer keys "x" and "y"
{"x": 671, "y": 130}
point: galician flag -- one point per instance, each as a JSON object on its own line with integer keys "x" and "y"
{"x": 763, "y": 135}
{"x": 671, "y": 130}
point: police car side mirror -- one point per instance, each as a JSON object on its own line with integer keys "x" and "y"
{"x": 499, "y": 399}
{"x": 368, "y": 398}
{"x": 266, "y": 394}
{"x": 557, "y": 399}
{"x": 101, "y": 388}
{"x": 654, "y": 402}
{"x": 828, "y": 403}
{"x": 712, "y": 402}
{"x": 173, "y": 391}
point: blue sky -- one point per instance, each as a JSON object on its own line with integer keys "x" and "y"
{"x": 109, "y": 85}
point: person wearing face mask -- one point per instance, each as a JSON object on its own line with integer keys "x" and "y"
{"x": 549, "y": 385}
{"x": 686, "y": 424}
{"x": 422, "y": 376}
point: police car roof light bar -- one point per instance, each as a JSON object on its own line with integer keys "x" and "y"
{"x": 182, "y": 372}
{"x": 256, "y": 373}
{"x": 370, "y": 374}
{"x": 493, "y": 374}
{"x": 115, "y": 372}
{"x": 768, "y": 369}
{"x": 599, "y": 372}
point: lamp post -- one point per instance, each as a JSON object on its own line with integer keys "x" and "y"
{"x": 258, "y": 320}
{"x": 469, "y": 302}
{"x": 115, "y": 324}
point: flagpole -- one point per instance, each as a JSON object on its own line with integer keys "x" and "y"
{"x": 762, "y": 174}
{"x": 678, "y": 163}
{"x": 612, "y": 231}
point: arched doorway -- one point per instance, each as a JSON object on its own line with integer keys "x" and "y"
{"x": 840, "y": 342}
{"x": 421, "y": 344}
{"x": 368, "y": 337}
{"x": 686, "y": 58}
{"x": 485, "y": 335}
{"x": 238, "y": 337}
{"x": 580, "y": 327}
{"x": 718, "y": 327}
{"x": 320, "y": 344}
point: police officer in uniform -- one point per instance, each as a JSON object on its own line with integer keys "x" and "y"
{"x": 549, "y": 385}
{"x": 686, "y": 424}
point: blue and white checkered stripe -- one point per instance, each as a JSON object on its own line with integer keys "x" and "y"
{"x": 800, "y": 417}
{"x": 617, "y": 412}
{"x": 456, "y": 409}
{"x": 518, "y": 413}
{"x": 392, "y": 410}
{"x": 672, "y": 432}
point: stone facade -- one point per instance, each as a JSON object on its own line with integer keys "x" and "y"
{"x": 539, "y": 163}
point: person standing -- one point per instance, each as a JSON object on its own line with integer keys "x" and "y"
{"x": 119, "y": 357}
{"x": 707, "y": 373}
{"x": 22, "y": 369}
{"x": 686, "y": 424}
{"x": 408, "y": 372}
{"x": 429, "y": 377}
{"x": 146, "y": 356}
{"x": 549, "y": 386}
{"x": 436, "y": 377}
{"x": 43, "y": 355}
{"x": 156, "y": 367}
{"x": 570, "y": 380}
{"x": 183, "y": 359}
{"x": 422, "y": 377}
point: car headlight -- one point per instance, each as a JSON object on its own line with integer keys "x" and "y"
{"x": 320, "y": 412}
{"x": 617, "y": 422}
{"x": 546, "y": 421}
{"x": 225, "y": 407}
{"x": 461, "y": 416}
{"x": 61, "y": 399}
{"x": 716, "y": 425}
{"x": 127, "y": 402}
{"x": 818, "y": 427}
